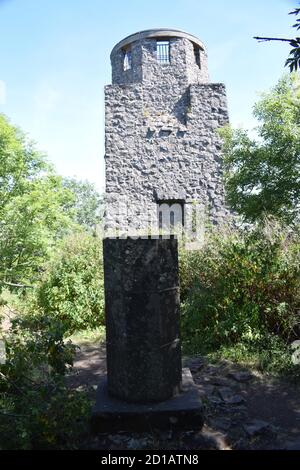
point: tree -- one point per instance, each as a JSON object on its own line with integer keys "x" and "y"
{"x": 293, "y": 61}
{"x": 87, "y": 202}
{"x": 32, "y": 201}
{"x": 71, "y": 288}
{"x": 262, "y": 176}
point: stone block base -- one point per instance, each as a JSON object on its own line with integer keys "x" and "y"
{"x": 183, "y": 411}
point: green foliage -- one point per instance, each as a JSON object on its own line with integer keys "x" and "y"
{"x": 293, "y": 60}
{"x": 32, "y": 224}
{"x": 87, "y": 203}
{"x": 19, "y": 162}
{"x": 37, "y": 410}
{"x": 72, "y": 286}
{"x": 262, "y": 176}
{"x": 240, "y": 287}
{"x": 267, "y": 353}
{"x": 32, "y": 201}
{"x": 37, "y": 212}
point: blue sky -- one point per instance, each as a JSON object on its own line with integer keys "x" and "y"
{"x": 55, "y": 63}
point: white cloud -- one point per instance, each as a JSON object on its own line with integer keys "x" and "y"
{"x": 2, "y": 92}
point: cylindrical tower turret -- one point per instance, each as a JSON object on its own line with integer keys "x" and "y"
{"x": 159, "y": 55}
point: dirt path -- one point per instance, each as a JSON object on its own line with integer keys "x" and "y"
{"x": 243, "y": 409}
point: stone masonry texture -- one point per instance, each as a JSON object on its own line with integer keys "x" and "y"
{"x": 142, "y": 318}
{"x": 161, "y": 140}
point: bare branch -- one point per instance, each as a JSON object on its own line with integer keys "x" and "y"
{"x": 11, "y": 284}
{"x": 259, "y": 38}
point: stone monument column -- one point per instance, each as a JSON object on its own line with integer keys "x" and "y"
{"x": 142, "y": 318}
{"x": 145, "y": 386}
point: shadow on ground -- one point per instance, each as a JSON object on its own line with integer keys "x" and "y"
{"x": 244, "y": 409}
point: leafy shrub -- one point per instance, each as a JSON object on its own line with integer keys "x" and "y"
{"x": 72, "y": 286}
{"x": 37, "y": 410}
{"x": 241, "y": 286}
{"x": 268, "y": 353}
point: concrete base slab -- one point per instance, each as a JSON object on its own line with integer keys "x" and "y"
{"x": 183, "y": 411}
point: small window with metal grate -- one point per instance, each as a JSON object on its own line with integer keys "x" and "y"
{"x": 163, "y": 52}
{"x": 126, "y": 59}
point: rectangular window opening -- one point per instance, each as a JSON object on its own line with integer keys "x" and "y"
{"x": 127, "y": 59}
{"x": 163, "y": 51}
{"x": 197, "y": 56}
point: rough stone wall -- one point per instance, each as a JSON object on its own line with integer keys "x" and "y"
{"x": 161, "y": 140}
{"x": 146, "y": 69}
{"x": 120, "y": 76}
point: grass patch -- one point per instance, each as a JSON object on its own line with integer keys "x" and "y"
{"x": 268, "y": 354}
{"x": 89, "y": 336}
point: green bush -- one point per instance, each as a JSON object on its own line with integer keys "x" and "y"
{"x": 241, "y": 286}
{"x": 37, "y": 410}
{"x": 72, "y": 286}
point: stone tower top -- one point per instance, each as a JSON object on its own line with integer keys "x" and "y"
{"x": 166, "y": 56}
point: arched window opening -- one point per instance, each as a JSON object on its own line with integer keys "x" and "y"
{"x": 160, "y": 220}
{"x": 172, "y": 220}
{"x": 194, "y": 220}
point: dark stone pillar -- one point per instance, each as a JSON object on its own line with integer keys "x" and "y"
{"x": 142, "y": 318}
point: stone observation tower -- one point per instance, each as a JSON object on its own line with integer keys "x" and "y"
{"x": 162, "y": 151}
